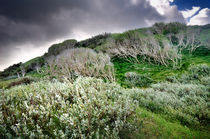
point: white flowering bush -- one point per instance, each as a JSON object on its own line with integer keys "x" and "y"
{"x": 187, "y": 103}
{"x": 87, "y": 108}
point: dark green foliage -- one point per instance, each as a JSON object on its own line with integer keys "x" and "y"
{"x": 94, "y": 41}
{"x": 137, "y": 80}
{"x": 57, "y": 48}
{"x": 31, "y": 64}
{"x": 202, "y": 51}
{"x": 158, "y": 28}
{"x": 15, "y": 69}
{"x": 173, "y": 28}
{"x": 12, "y": 70}
{"x": 131, "y": 34}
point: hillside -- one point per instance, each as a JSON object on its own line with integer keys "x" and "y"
{"x": 145, "y": 83}
{"x": 105, "y": 42}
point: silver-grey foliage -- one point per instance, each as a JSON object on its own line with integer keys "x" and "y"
{"x": 76, "y": 62}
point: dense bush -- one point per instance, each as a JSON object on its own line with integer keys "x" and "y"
{"x": 81, "y": 61}
{"x": 34, "y": 64}
{"x": 94, "y": 41}
{"x": 172, "y": 28}
{"x": 58, "y": 48}
{"x": 11, "y": 70}
{"x": 87, "y": 108}
{"x": 136, "y": 80}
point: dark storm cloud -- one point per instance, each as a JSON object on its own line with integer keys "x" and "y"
{"x": 36, "y": 10}
{"x": 23, "y": 19}
{"x": 40, "y": 21}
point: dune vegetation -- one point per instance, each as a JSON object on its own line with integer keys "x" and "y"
{"x": 144, "y": 83}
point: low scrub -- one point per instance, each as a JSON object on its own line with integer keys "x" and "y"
{"x": 200, "y": 70}
{"x": 136, "y": 80}
{"x": 87, "y": 108}
{"x": 194, "y": 74}
{"x": 76, "y": 62}
{"x": 187, "y": 103}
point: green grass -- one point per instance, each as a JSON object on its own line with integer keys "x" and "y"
{"x": 156, "y": 72}
{"x": 150, "y": 125}
{"x": 5, "y": 84}
{"x": 128, "y": 34}
{"x": 14, "y": 82}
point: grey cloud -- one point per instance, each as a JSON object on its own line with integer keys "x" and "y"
{"x": 40, "y": 21}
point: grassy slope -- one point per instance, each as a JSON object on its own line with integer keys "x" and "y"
{"x": 156, "y": 72}
{"x": 152, "y": 125}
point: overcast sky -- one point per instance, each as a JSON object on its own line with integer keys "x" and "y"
{"x": 29, "y": 27}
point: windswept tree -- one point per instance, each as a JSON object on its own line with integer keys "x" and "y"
{"x": 186, "y": 40}
{"x": 76, "y": 62}
{"x": 23, "y": 71}
{"x": 18, "y": 74}
{"x": 37, "y": 67}
{"x": 158, "y": 28}
{"x": 148, "y": 48}
{"x": 193, "y": 40}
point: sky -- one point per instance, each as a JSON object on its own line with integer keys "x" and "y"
{"x": 29, "y": 27}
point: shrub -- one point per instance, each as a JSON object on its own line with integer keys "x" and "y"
{"x": 88, "y": 108}
{"x": 56, "y": 49}
{"x": 206, "y": 81}
{"x": 94, "y": 41}
{"x": 194, "y": 74}
{"x": 200, "y": 70}
{"x": 187, "y": 103}
{"x": 136, "y": 80}
{"x": 12, "y": 70}
{"x": 72, "y": 63}
{"x": 172, "y": 28}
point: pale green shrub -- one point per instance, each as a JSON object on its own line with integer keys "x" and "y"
{"x": 72, "y": 63}
{"x": 137, "y": 80}
{"x": 200, "y": 70}
{"x": 187, "y": 103}
{"x": 195, "y": 74}
{"x": 206, "y": 81}
{"x": 88, "y": 108}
